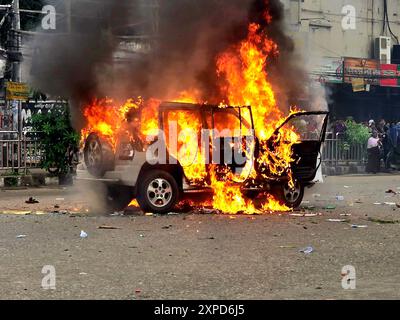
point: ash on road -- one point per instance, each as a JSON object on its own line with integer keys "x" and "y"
{"x": 194, "y": 256}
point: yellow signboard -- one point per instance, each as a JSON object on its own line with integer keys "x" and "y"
{"x": 17, "y": 91}
{"x": 358, "y": 85}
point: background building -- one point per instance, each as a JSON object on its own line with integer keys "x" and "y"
{"x": 329, "y": 35}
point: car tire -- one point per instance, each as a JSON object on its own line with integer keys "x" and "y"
{"x": 292, "y": 198}
{"x": 99, "y": 156}
{"x": 158, "y": 192}
{"x": 118, "y": 197}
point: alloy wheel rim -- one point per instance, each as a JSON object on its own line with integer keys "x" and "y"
{"x": 94, "y": 154}
{"x": 159, "y": 192}
{"x": 292, "y": 194}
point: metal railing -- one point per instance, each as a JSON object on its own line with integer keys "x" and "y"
{"x": 19, "y": 153}
{"x": 31, "y": 151}
{"x": 336, "y": 151}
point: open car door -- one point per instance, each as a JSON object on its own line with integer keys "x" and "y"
{"x": 311, "y": 127}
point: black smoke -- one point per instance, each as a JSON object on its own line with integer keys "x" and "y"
{"x": 81, "y": 65}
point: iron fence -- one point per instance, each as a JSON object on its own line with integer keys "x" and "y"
{"x": 337, "y": 151}
{"x": 19, "y": 152}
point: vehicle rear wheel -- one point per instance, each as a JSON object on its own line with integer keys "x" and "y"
{"x": 99, "y": 156}
{"x": 291, "y": 197}
{"x": 158, "y": 192}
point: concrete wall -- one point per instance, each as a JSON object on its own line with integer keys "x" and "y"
{"x": 316, "y": 26}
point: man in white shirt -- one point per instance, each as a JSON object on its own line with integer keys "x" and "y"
{"x": 373, "y": 142}
{"x": 374, "y": 155}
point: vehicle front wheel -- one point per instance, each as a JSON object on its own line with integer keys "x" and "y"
{"x": 291, "y": 197}
{"x": 158, "y": 192}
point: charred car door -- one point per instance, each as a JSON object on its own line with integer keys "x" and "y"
{"x": 311, "y": 128}
{"x": 233, "y": 139}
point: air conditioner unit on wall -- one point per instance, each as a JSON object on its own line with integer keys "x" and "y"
{"x": 383, "y": 49}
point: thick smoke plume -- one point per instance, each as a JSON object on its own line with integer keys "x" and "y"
{"x": 82, "y": 64}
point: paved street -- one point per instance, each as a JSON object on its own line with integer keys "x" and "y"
{"x": 203, "y": 256}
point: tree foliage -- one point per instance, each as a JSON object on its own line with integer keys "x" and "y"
{"x": 57, "y": 137}
{"x": 356, "y": 133}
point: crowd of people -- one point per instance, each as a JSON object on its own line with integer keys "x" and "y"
{"x": 382, "y": 144}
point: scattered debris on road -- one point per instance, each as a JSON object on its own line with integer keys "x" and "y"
{"x": 381, "y": 221}
{"x": 108, "y": 228}
{"x": 306, "y": 215}
{"x": 115, "y": 214}
{"x": 337, "y": 220}
{"x": 21, "y": 236}
{"x": 390, "y": 203}
{"x": 83, "y": 234}
{"x": 307, "y": 250}
{"x": 31, "y": 200}
{"x": 356, "y": 226}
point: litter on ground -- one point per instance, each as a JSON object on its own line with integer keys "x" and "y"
{"x": 83, "y": 234}
{"x": 307, "y": 250}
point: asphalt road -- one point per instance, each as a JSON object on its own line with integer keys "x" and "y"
{"x": 204, "y": 256}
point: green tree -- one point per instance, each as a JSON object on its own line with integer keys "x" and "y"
{"x": 356, "y": 133}
{"x": 57, "y": 138}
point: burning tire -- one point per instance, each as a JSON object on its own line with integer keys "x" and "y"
{"x": 158, "y": 192}
{"x": 99, "y": 156}
{"x": 291, "y": 197}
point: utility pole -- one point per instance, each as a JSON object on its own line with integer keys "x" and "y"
{"x": 16, "y": 72}
{"x": 16, "y": 25}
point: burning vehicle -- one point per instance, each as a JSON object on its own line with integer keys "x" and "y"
{"x": 231, "y": 138}
{"x": 193, "y": 148}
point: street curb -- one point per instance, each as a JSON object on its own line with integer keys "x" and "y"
{"x": 34, "y": 180}
{"x": 342, "y": 170}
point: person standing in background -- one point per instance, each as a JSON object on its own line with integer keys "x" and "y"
{"x": 374, "y": 158}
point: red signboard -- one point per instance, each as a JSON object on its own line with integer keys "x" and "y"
{"x": 390, "y": 74}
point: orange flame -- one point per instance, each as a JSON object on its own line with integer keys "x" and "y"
{"x": 243, "y": 71}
